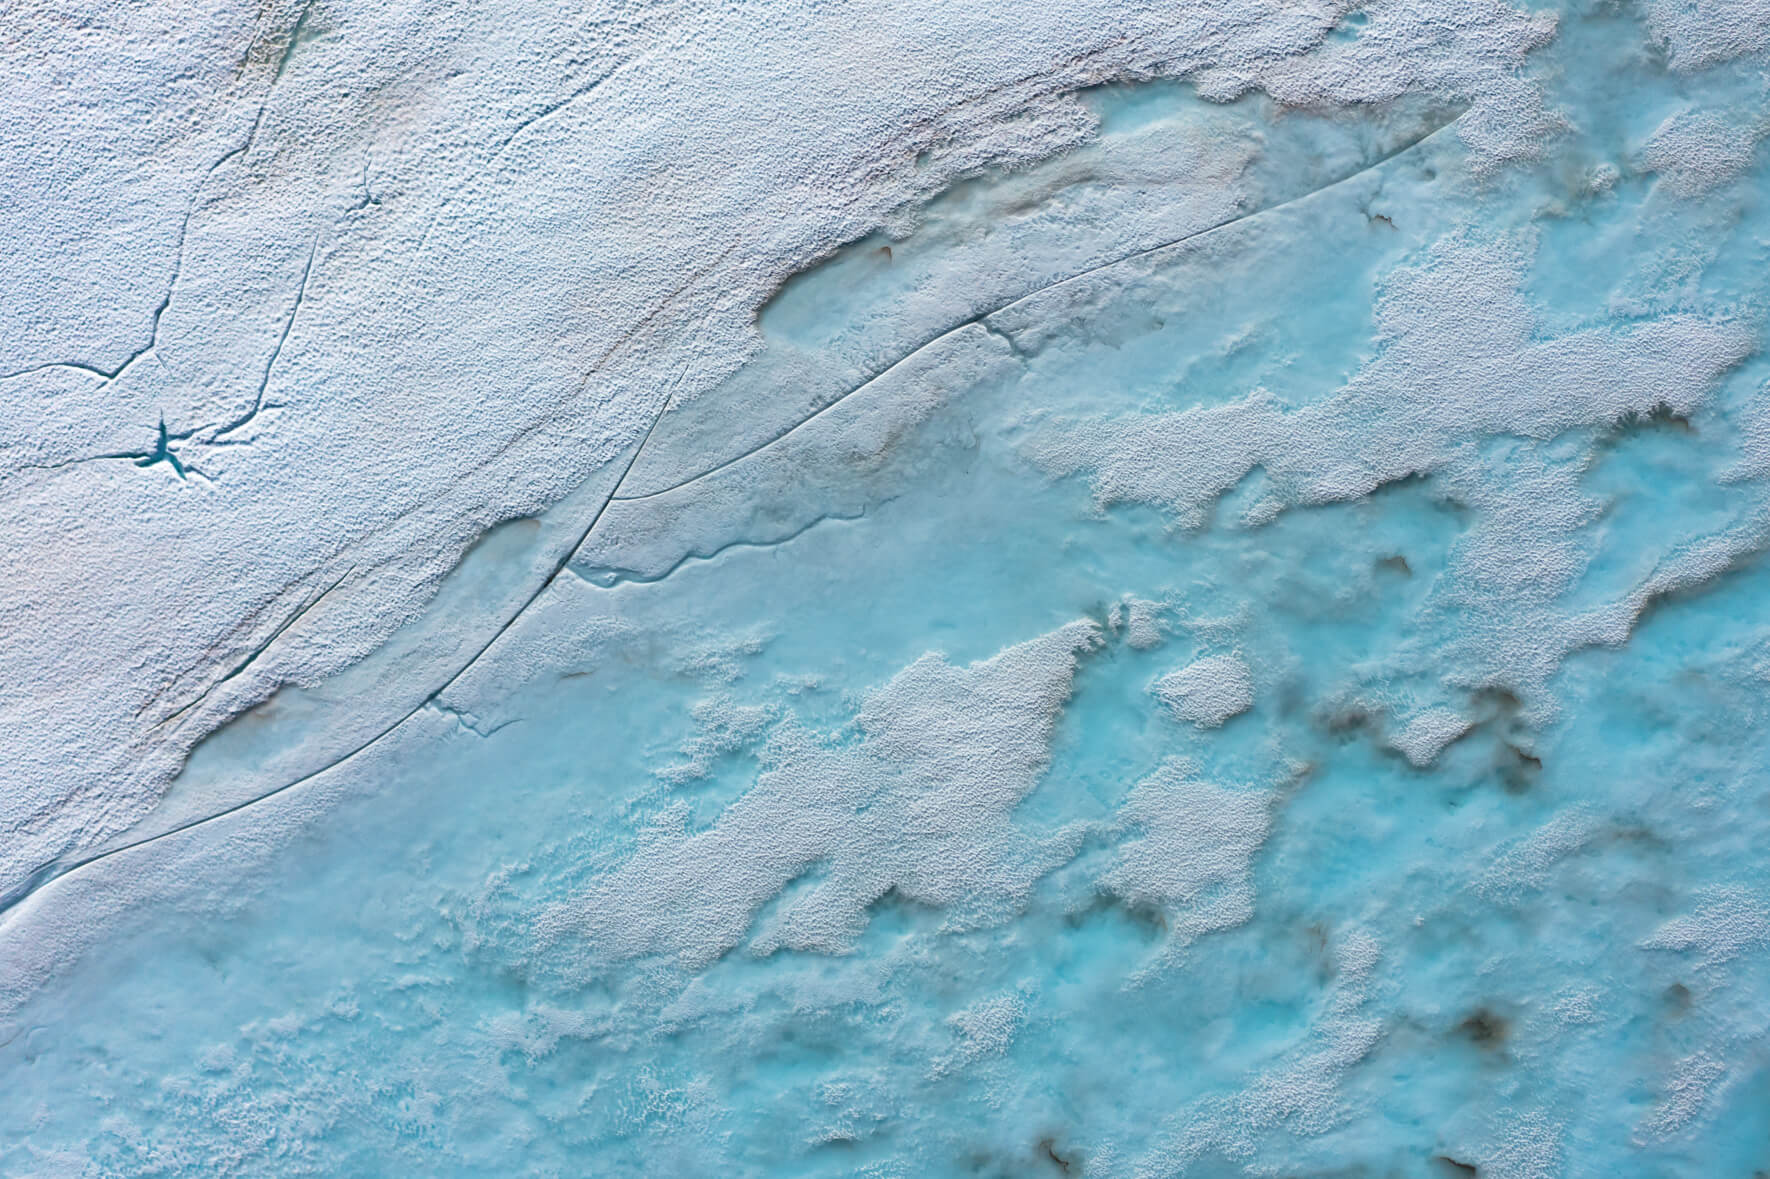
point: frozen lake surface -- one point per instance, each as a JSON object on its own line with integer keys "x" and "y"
{"x": 1121, "y": 592}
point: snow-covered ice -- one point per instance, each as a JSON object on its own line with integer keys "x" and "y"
{"x": 890, "y": 589}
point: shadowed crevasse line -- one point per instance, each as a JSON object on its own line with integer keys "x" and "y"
{"x": 107, "y": 376}
{"x": 299, "y": 613}
{"x": 55, "y": 869}
{"x": 980, "y": 317}
{"x": 163, "y": 451}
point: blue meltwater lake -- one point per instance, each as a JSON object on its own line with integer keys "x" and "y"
{"x": 1242, "y": 648}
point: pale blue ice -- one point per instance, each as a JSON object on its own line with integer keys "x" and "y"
{"x": 1289, "y": 702}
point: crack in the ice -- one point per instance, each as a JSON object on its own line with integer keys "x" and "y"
{"x": 981, "y": 317}
{"x": 547, "y": 419}
{"x": 160, "y": 452}
{"x": 299, "y": 613}
{"x": 289, "y": 49}
{"x": 107, "y": 376}
{"x": 548, "y": 112}
{"x": 270, "y": 365}
{"x": 55, "y": 869}
{"x": 462, "y": 718}
{"x": 215, "y": 436}
{"x": 63, "y": 464}
{"x": 607, "y": 577}
{"x": 368, "y": 198}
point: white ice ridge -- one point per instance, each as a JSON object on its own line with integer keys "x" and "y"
{"x": 1729, "y": 922}
{"x": 300, "y": 298}
{"x": 1702, "y": 33}
{"x": 1460, "y": 356}
{"x": 986, "y": 1028}
{"x": 1209, "y": 691}
{"x": 1428, "y": 734}
{"x": 1140, "y": 619}
{"x": 1195, "y": 855}
{"x": 921, "y": 806}
{"x": 1695, "y": 152}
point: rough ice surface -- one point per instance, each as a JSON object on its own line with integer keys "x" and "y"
{"x": 1208, "y": 692}
{"x": 898, "y": 589}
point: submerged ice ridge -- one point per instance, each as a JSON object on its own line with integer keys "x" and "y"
{"x": 1284, "y": 696}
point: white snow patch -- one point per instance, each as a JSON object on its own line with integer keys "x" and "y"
{"x": 1428, "y": 734}
{"x": 1208, "y": 692}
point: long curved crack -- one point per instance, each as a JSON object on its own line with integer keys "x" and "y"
{"x": 981, "y": 317}
{"x": 56, "y": 869}
{"x": 271, "y": 364}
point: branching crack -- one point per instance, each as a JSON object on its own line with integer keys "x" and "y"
{"x": 368, "y": 198}
{"x": 109, "y": 375}
{"x": 469, "y": 722}
{"x": 209, "y": 435}
{"x": 605, "y": 577}
{"x": 161, "y": 452}
{"x": 48, "y": 873}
